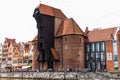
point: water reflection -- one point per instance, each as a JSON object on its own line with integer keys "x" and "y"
{"x": 17, "y": 79}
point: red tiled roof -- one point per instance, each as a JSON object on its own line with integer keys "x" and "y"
{"x": 47, "y": 10}
{"x": 55, "y": 55}
{"x": 101, "y": 34}
{"x": 10, "y": 40}
{"x": 69, "y": 26}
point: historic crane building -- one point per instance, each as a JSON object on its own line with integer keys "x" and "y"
{"x": 60, "y": 40}
{"x": 63, "y": 45}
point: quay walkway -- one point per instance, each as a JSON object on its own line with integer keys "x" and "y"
{"x": 62, "y": 75}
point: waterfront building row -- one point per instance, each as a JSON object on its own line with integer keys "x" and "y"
{"x": 17, "y": 56}
{"x": 62, "y": 45}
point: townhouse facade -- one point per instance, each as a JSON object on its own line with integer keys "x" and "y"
{"x": 7, "y": 54}
{"x": 17, "y": 56}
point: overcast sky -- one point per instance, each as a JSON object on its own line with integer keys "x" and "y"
{"x": 16, "y": 19}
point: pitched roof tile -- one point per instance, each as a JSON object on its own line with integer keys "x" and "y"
{"x": 101, "y": 34}
{"x": 69, "y": 26}
{"x": 47, "y": 10}
{"x": 10, "y": 40}
{"x": 54, "y": 53}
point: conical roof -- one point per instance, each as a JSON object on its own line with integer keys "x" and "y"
{"x": 69, "y": 26}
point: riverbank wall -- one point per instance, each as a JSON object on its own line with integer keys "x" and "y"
{"x": 59, "y": 75}
{"x": 39, "y": 75}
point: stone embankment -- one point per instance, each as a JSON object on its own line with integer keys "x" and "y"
{"x": 60, "y": 75}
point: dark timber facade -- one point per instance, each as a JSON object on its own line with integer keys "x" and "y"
{"x": 45, "y": 26}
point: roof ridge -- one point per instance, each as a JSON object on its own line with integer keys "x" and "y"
{"x": 49, "y": 6}
{"x": 68, "y": 25}
{"x": 73, "y": 22}
{"x": 61, "y": 25}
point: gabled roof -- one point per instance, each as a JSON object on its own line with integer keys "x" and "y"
{"x": 101, "y": 34}
{"x": 47, "y": 10}
{"x": 69, "y": 26}
{"x": 10, "y": 40}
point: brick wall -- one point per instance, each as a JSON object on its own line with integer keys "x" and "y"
{"x": 58, "y": 65}
{"x": 109, "y": 51}
{"x": 71, "y": 52}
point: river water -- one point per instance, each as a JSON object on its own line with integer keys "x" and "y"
{"x": 18, "y": 79}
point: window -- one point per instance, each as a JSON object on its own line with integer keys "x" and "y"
{"x": 116, "y": 57}
{"x": 88, "y": 56}
{"x": 92, "y": 47}
{"x": 102, "y": 63}
{"x": 115, "y": 47}
{"x": 25, "y": 61}
{"x": 9, "y": 59}
{"x": 102, "y": 46}
{"x": 19, "y": 61}
{"x": 97, "y": 47}
{"x": 115, "y": 52}
{"x": 97, "y": 56}
{"x": 98, "y": 65}
{"x": 88, "y": 65}
{"x": 10, "y": 53}
{"x": 93, "y": 66}
{"x": 15, "y": 61}
{"x": 88, "y": 47}
{"x": 102, "y": 56}
{"x": 93, "y": 56}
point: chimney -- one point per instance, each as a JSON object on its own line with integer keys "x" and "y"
{"x": 86, "y": 30}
